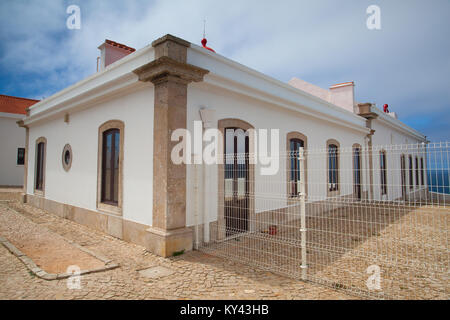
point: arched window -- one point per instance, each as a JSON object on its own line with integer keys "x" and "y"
{"x": 39, "y": 184}
{"x": 294, "y": 142}
{"x": 294, "y": 174}
{"x": 110, "y": 166}
{"x": 383, "y": 172}
{"x": 333, "y": 167}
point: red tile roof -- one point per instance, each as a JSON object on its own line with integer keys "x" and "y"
{"x": 119, "y": 45}
{"x": 10, "y": 104}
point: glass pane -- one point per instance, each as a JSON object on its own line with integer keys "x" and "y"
{"x": 292, "y": 168}
{"x": 229, "y": 146}
{"x": 67, "y": 157}
{"x": 241, "y": 187}
{"x": 333, "y": 166}
{"x": 40, "y": 166}
{"x": 236, "y": 162}
{"x": 20, "y": 156}
{"x": 295, "y": 145}
{"x": 116, "y": 167}
{"x": 240, "y": 140}
{"x": 357, "y": 165}
{"x": 228, "y": 188}
{"x": 107, "y": 167}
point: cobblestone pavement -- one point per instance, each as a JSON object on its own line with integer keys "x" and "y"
{"x": 194, "y": 275}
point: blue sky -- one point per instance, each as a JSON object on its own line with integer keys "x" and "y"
{"x": 405, "y": 64}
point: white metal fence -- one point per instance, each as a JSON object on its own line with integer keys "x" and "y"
{"x": 371, "y": 221}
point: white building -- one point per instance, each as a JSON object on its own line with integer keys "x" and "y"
{"x": 123, "y": 117}
{"x": 12, "y": 140}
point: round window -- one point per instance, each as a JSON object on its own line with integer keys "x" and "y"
{"x": 67, "y": 157}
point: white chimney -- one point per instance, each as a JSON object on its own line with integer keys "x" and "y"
{"x": 343, "y": 95}
{"x": 310, "y": 88}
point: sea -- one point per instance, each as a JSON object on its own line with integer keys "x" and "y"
{"x": 439, "y": 181}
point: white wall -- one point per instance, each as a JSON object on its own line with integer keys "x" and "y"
{"x": 78, "y": 187}
{"x": 395, "y": 143}
{"x": 12, "y": 137}
{"x": 267, "y": 116}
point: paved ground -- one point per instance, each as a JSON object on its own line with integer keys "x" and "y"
{"x": 51, "y": 252}
{"x": 407, "y": 243}
{"x": 193, "y": 275}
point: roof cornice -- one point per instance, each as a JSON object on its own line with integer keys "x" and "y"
{"x": 396, "y": 124}
{"x": 239, "y": 88}
{"x": 88, "y": 98}
{"x": 316, "y": 107}
{"x": 116, "y": 77}
{"x": 10, "y": 115}
{"x": 272, "y": 81}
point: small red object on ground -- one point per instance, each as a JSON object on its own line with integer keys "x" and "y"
{"x": 272, "y": 230}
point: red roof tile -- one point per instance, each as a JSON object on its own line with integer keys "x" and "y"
{"x": 10, "y": 104}
{"x": 119, "y": 45}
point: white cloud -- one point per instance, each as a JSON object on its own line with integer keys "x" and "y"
{"x": 324, "y": 42}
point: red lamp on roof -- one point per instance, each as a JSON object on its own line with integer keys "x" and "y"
{"x": 204, "y": 41}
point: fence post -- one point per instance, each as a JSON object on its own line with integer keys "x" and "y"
{"x": 196, "y": 194}
{"x": 302, "y": 195}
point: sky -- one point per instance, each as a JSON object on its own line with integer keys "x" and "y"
{"x": 405, "y": 64}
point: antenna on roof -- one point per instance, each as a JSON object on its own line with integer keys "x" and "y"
{"x": 204, "y": 28}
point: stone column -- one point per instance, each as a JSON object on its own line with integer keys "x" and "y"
{"x": 365, "y": 110}
{"x": 170, "y": 75}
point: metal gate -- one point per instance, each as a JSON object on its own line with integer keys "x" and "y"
{"x": 362, "y": 235}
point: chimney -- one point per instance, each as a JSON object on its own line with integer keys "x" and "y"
{"x": 310, "y": 88}
{"x": 343, "y": 95}
{"x": 111, "y": 51}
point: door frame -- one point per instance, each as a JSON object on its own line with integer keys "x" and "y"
{"x": 221, "y": 223}
{"x": 237, "y": 208}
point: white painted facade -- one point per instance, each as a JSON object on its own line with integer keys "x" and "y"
{"x": 78, "y": 186}
{"x": 12, "y": 138}
{"x": 231, "y": 90}
{"x": 390, "y": 131}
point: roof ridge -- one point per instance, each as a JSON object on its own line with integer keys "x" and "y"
{"x": 120, "y": 45}
{"x": 15, "y": 97}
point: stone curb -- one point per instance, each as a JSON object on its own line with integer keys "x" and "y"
{"x": 109, "y": 264}
{"x": 92, "y": 253}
